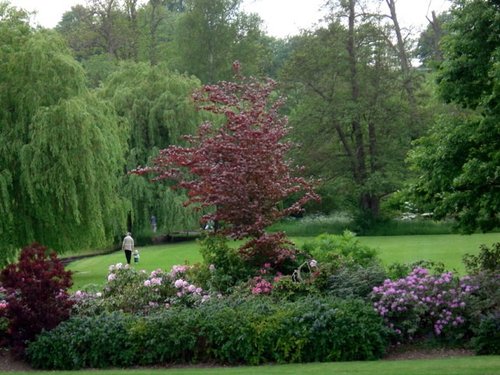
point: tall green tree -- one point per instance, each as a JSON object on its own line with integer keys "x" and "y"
{"x": 156, "y": 105}
{"x": 51, "y": 126}
{"x": 348, "y": 89}
{"x": 212, "y": 34}
{"x": 459, "y": 161}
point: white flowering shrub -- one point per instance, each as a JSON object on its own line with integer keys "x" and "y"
{"x": 130, "y": 290}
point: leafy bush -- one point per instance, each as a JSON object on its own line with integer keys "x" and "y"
{"x": 135, "y": 291}
{"x": 36, "y": 295}
{"x": 222, "y": 268}
{"x": 487, "y": 339}
{"x": 355, "y": 280}
{"x": 485, "y": 298}
{"x": 227, "y": 330}
{"x": 167, "y": 336}
{"x": 323, "y": 329}
{"x": 340, "y": 250}
{"x": 487, "y": 260}
{"x": 401, "y": 270}
{"x": 85, "y": 341}
{"x": 422, "y": 304}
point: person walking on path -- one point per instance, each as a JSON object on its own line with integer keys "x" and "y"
{"x": 128, "y": 246}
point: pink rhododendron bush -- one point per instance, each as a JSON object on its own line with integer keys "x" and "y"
{"x": 137, "y": 291}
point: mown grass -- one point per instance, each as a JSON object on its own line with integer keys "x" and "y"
{"x": 489, "y": 365}
{"x": 448, "y": 249}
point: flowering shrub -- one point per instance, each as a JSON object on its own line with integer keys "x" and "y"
{"x": 34, "y": 295}
{"x": 135, "y": 291}
{"x": 422, "y": 303}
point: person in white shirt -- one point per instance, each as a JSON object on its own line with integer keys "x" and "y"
{"x": 128, "y": 246}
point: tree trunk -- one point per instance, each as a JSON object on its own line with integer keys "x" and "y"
{"x": 404, "y": 63}
{"x": 357, "y": 131}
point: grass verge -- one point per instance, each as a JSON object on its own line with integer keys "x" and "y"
{"x": 484, "y": 365}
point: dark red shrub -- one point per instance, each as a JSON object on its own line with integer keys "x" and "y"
{"x": 35, "y": 294}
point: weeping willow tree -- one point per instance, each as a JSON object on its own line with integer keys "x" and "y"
{"x": 71, "y": 169}
{"x": 59, "y": 147}
{"x": 156, "y": 104}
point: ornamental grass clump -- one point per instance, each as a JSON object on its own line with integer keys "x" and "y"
{"x": 422, "y": 304}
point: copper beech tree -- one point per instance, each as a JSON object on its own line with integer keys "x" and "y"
{"x": 239, "y": 167}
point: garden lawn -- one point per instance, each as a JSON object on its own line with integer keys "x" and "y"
{"x": 94, "y": 270}
{"x": 447, "y": 248}
{"x": 487, "y": 365}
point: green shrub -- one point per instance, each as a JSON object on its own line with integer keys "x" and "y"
{"x": 355, "y": 280}
{"x": 288, "y": 289}
{"x": 230, "y": 330}
{"x": 484, "y": 300}
{"x": 340, "y": 249}
{"x": 167, "y": 336}
{"x": 222, "y": 268}
{"x": 401, "y": 270}
{"x": 487, "y": 260}
{"x": 487, "y": 339}
{"x": 81, "y": 342}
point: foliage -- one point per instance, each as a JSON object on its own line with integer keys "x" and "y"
{"x": 138, "y": 292}
{"x": 71, "y": 171}
{"x": 354, "y": 280}
{"x": 458, "y": 161}
{"x": 155, "y": 104}
{"x": 85, "y": 341}
{"x": 487, "y": 338}
{"x": 273, "y": 248}
{"x": 223, "y": 267}
{"x": 487, "y": 260}
{"x": 60, "y": 148}
{"x": 234, "y": 331}
{"x": 352, "y": 98}
{"x": 238, "y": 168}
{"x": 340, "y": 249}
{"x": 36, "y": 295}
{"x": 213, "y": 33}
{"x": 421, "y": 304}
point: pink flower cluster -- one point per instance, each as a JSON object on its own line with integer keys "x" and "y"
{"x": 183, "y": 288}
{"x": 178, "y": 269}
{"x": 261, "y": 285}
{"x": 421, "y": 299}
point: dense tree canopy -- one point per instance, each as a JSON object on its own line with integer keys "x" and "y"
{"x": 350, "y": 90}
{"x": 50, "y": 128}
{"x": 212, "y": 34}
{"x": 459, "y": 161}
{"x": 156, "y": 107}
